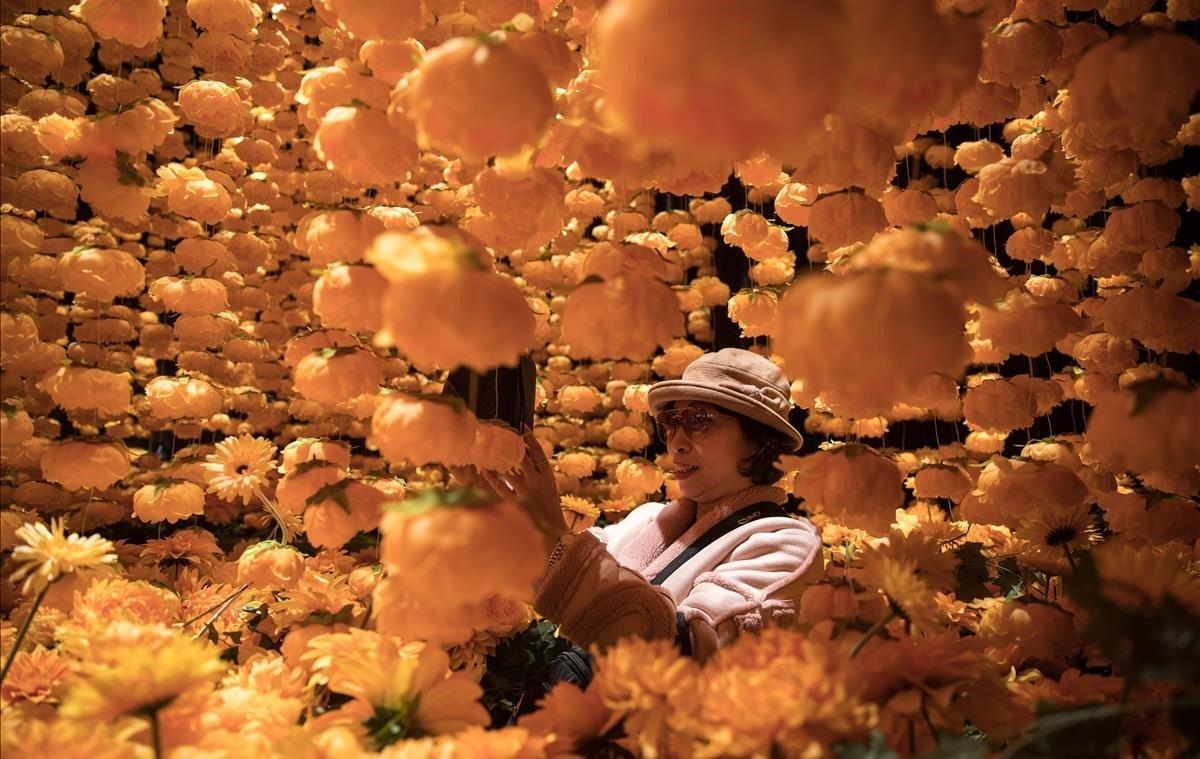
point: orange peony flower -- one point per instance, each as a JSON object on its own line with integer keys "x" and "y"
{"x": 271, "y": 566}
{"x": 168, "y": 500}
{"x": 366, "y": 147}
{"x": 423, "y": 430}
{"x": 136, "y": 23}
{"x": 477, "y": 97}
{"x": 192, "y": 193}
{"x": 83, "y": 465}
{"x": 460, "y": 547}
{"x": 336, "y": 375}
{"x": 214, "y": 108}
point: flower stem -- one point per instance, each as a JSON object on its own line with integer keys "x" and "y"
{"x": 871, "y": 632}
{"x": 220, "y": 609}
{"x": 1070, "y": 558}
{"x": 12, "y": 655}
{"x": 155, "y": 735}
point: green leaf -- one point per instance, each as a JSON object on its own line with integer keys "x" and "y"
{"x": 335, "y": 492}
{"x": 436, "y": 498}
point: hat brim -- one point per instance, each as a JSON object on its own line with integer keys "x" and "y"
{"x": 662, "y": 393}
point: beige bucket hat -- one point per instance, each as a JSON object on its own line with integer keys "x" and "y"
{"x": 734, "y": 379}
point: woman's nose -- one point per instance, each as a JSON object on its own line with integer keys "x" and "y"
{"x": 679, "y": 441}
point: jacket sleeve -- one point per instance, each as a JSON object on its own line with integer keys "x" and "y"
{"x": 594, "y": 599}
{"x": 760, "y": 583}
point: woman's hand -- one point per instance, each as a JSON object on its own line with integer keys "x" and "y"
{"x": 532, "y": 486}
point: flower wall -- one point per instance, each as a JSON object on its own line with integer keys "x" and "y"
{"x": 243, "y": 244}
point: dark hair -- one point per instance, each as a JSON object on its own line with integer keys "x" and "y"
{"x": 767, "y": 442}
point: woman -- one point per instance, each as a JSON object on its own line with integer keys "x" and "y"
{"x": 721, "y": 558}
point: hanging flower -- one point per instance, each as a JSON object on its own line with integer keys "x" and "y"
{"x": 477, "y": 97}
{"x": 136, "y": 23}
{"x": 335, "y": 375}
{"x": 366, "y": 147}
{"x": 168, "y": 500}
{"x": 271, "y": 566}
{"x": 84, "y": 465}
{"x": 424, "y": 430}
{"x": 239, "y": 467}
{"x": 459, "y": 547}
{"x": 192, "y": 193}
{"x": 214, "y": 108}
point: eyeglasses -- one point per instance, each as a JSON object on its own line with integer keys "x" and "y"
{"x": 695, "y": 421}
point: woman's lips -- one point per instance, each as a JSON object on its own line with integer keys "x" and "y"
{"x": 682, "y": 472}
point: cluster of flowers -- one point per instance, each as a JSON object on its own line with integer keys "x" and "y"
{"x": 242, "y": 245}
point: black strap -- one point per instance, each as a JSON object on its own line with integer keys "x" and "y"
{"x": 728, "y": 524}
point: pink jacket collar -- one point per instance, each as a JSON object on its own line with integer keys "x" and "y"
{"x": 675, "y": 527}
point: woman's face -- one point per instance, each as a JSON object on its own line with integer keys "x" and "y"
{"x": 706, "y": 467}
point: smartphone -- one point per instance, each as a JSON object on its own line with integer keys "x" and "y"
{"x": 505, "y": 393}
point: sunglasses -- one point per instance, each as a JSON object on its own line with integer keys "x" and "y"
{"x": 695, "y": 421}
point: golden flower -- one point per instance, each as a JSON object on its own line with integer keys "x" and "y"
{"x": 271, "y": 565}
{"x": 1052, "y": 532}
{"x": 47, "y": 553}
{"x": 567, "y": 717}
{"x": 402, "y": 610}
{"x": 213, "y": 107}
{"x": 477, "y": 97}
{"x": 35, "y": 676}
{"x": 365, "y": 146}
{"x": 624, "y": 317}
{"x": 852, "y": 483}
{"x": 421, "y": 430}
{"x": 168, "y": 500}
{"x": 1142, "y": 576}
{"x": 1020, "y": 629}
{"x": 480, "y": 743}
{"x": 192, "y": 193}
{"x": 87, "y": 388}
{"x": 898, "y": 577}
{"x": 460, "y": 546}
{"x": 909, "y": 678}
{"x": 136, "y": 23}
{"x": 305, "y": 449}
{"x": 188, "y": 547}
{"x": 236, "y": 17}
{"x": 35, "y": 739}
{"x": 638, "y": 679}
{"x": 775, "y": 688}
{"x": 139, "y": 667}
{"x": 497, "y": 448}
{"x": 334, "y": 375}
{"x": 239, "y": 467}
{"x": 401, "y": 690}
{"x": 110, "y": 599}
{"x": 909, "y": 325}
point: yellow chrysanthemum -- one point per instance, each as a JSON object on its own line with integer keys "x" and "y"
{"x": 137, "y": 669}
{"x": 36, "y": 677}
{"x": 640, "y": 678}
{"x": 775, "y": 690}
{"x": 34, "y": 739}
{"x": 909, "y": 595}
{"x": 1135, "y": 576}
{"x": 405, "y": 690}
{"x": 581, "y": 506}
{"x": 239, "y": 467}
{"x": 1053, "y": 532}
{"x": 47, "y": 553}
